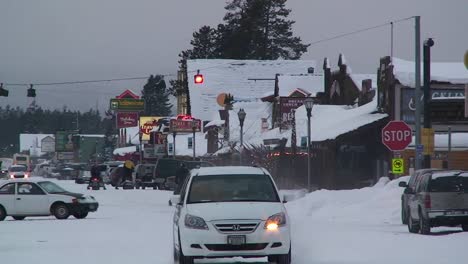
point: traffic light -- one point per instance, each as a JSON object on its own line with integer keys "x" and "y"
{"x": 3, "y": 92}
{"x": 198, "y": 77}
{"x": 31, "y": 91}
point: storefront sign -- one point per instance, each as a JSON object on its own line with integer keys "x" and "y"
{"x": 185, "y": 126}
{"x": 147, "y": 124}
{"x": 408, "y": 104}
{"x": 127, "y": 119}
{"x": 127, "y": 104}
{"x": 287, "y": 105}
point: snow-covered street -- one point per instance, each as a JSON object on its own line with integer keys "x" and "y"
{"x": 135, "y": 226}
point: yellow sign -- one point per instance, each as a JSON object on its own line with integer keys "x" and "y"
{"x": 466, "y": 59}
{"x": 427, "y": 139}
{"x": 398, "y": 166}
{"x": 147, "y": 124}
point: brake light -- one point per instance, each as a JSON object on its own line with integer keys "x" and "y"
{"x": 427, "y": 201}
{"x": 74, "y": 200}
{"x": 95, "y": 180}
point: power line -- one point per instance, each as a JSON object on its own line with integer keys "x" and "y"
{"x": 360, "y": 30}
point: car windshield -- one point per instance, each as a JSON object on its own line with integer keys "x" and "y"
{"x": 232, "y": 188}
{"x": 51, "y": 187}
{"x": 18, "y": 168}
{"x": 449, "y": 184}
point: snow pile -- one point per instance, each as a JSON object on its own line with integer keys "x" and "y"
{"x": 309, "y": 83}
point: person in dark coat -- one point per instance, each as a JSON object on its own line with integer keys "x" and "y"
{"x": 181, "y": 174}
{"x": 96, "y": 174}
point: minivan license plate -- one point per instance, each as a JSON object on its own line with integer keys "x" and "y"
{"x": 236, "y": 240}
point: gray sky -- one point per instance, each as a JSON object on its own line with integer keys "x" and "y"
{"x": 61, "y": 40}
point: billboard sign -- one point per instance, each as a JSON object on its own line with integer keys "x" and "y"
{"x": 147, "y": 124}
{"x": 64, "y": 141}
{"x": 184, "y": 126}
{"x": 287, "y": 105}
{"x": 127, "y": 104}
{"x": 48, "y": 144}
{"x": 127, "y": 119}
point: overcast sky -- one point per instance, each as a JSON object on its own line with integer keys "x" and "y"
{"x": 61, "y": 40}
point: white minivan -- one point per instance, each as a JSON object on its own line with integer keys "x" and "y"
{"x": 230, "y": 212}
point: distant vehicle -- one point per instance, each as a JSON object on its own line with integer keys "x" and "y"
{"x": 144, "y": 176}
{"x": 22, "y": 159}
{"x": 164, "y": 169}
{"x": 83, "y": 177}
{"x": 5, "y": 163}
{"x": 18, "y": 171}
{"x": 440, "y": 198}
{"x": 21, "y": 198}
{"x": 230, "y": 212}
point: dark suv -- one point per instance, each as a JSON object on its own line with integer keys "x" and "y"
{"x": 440, "y": 198}
{"x": 409, "y": 191}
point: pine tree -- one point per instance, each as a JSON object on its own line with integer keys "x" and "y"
{"x": 252, "y": 29}
{"x": 156, "y": 97}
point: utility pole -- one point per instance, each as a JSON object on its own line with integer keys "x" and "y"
{"x": 427, "y": 98}
{"x": 417, "y": 78}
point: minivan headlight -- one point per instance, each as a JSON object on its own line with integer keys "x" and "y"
{"x": 275, "y": 221}
{"x": 195, "y": 222}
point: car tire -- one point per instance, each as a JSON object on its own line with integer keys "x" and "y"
{"x": 155, "y": 187}
{"x": 61, "y": 211}
{"x": 424, "y": 225}
{"x": 465, "y": 227}
{"x": 19, "y": 218}
{"x": 184, "y": 259}
{"x": 143, "y": 187}
{"x": 412, "y": 226}
{"x": 2, "y": 213}
{"x": 80, "y": 215}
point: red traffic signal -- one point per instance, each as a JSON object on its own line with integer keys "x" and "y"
{"x": 198, "y": 78}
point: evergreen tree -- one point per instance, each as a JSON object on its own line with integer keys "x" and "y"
{"x": 156, "y": 97}
{"x": 252, "y": 29}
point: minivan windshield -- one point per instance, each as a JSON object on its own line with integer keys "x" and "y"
{"x": 18, "y": 168}
{"x": 232, "y": 188}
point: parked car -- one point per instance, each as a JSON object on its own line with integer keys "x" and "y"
{"x": 409, "y": 192}
{"x": 18, "y": 171}
{"x": 231, "y": 212}
{"x": 83, "y": 177}
{"x": 144, "y": 176}
{"x": 24, "y": 198}
{"x": 165, "y": 168}
{"x": 439, "y": 199}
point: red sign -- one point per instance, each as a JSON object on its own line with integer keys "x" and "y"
{"x": 397, "y": 135}
{"x": 287, "y": 105}
{"x": 185, "y": 125}
{"x": 127, "y": 119}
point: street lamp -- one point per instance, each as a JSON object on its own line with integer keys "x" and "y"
{"x": 194, "y": 128}
{"x": 309, "y": 104}
{"x": 241, "y": 114}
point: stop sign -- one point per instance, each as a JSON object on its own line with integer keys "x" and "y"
{"x": 396, "y": 135}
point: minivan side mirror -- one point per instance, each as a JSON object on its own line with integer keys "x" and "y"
{"x": 403, "y": 184}
{"x": 175, "y": 199}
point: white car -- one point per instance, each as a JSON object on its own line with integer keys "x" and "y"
{"x": 18, "y": 171}
{"x": 23, "y": 198}
{"x": 230, "y": 212}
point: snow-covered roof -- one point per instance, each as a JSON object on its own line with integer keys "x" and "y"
{"x": 453, "y": 72}
{"x": 358, "y": 78}
{"x": 310, "y": 83}
{"x": 215, "y": 123}
{"x": 232, "y": 76}
{"x": 124, "y": 151}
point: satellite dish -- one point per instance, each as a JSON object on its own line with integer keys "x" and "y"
{"x": 221, "y": 98}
